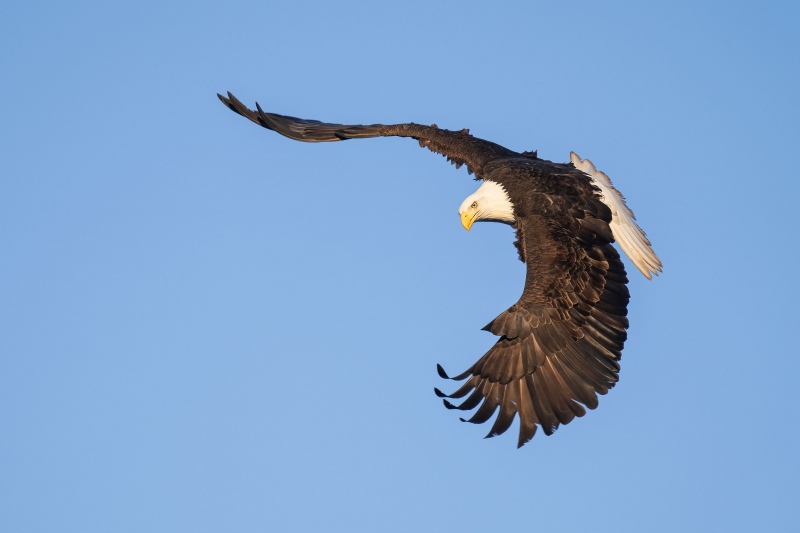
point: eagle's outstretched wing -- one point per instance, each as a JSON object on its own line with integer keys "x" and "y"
{"x": 459, "y": 147}
{"x": 561, "y": 342}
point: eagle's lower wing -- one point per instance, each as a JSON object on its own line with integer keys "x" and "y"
{"x": 459, "y": 147}
{"x": 561, "y": 342}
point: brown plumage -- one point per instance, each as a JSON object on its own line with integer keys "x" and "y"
{"x": 561, "y": 343}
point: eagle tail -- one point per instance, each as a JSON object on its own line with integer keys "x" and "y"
{"x": 627, "y": 233}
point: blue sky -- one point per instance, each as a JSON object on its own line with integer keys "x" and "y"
{"x": 208, "y": 327}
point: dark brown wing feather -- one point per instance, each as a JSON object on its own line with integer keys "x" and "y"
{"x": 459, "y": 147}
{"x": 560, "y": 344}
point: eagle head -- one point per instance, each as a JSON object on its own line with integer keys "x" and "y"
{"x": 490, "y": 203}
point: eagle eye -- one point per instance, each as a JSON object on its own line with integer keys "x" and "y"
{"x": 474, "y": 205}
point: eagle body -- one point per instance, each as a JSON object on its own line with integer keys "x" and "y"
{"x": 559, "y": 346}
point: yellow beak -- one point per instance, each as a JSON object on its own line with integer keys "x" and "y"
{"x": 467, "y": 220}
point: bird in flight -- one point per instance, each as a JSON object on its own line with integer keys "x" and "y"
{"x": 559, "y": 346}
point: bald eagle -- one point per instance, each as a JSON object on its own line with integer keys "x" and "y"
{"x": 561, "y": 343}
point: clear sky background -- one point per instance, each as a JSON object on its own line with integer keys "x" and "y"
{"x": 207, "y": 327}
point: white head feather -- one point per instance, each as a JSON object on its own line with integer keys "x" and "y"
{"x": 489, "y": 202}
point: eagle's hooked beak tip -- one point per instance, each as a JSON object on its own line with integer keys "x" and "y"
{"x": 467, "y": 220}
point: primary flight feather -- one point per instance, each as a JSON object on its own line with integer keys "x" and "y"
{"x": 561, "y": 343}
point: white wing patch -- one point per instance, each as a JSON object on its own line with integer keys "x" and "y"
{"x": 627, "y": 233}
